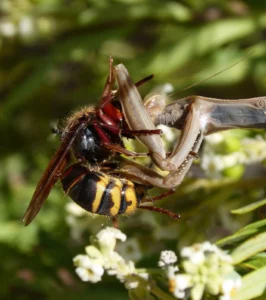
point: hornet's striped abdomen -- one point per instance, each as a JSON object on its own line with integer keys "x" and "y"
{"x": 99, "y": 193}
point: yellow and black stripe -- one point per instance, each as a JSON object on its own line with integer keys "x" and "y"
{"x": 99, "y": 193}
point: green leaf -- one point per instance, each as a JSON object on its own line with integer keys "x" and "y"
{"x": 249, "y": 248}
{"x": 202, "y": 41}
{"x": 235, "y": 238}
{"x": 256, "y": 262}
{"x": 243, "y": 233}
{"x": 61, "y": 51}
{"x": 14, "y": 234}
{"x": 256, "y": 225}
{"x": 249, "y": 208}
{"x": 253, "y": 285}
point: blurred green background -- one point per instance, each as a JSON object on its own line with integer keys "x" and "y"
{"x": 54, "y": 58}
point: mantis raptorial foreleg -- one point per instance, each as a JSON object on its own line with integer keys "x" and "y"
{"x": 138, "y": 118}
{"x": 191, "y": 115}
{"x": 146, "y": 176}
{"x": 194, "y": 114}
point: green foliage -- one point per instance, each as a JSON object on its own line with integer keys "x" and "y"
{"x": 54, "y": 58}
{"x": 253, "y": 285}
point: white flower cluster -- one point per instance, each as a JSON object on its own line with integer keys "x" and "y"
{"x": 206, "y": 269}
{"x": 102, "y": 257}
{"x": 238, "y": 151}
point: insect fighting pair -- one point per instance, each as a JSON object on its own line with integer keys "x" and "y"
{"x": 104, "y": 182}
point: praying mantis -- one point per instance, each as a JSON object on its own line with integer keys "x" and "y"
{"x": 195, "y": 116}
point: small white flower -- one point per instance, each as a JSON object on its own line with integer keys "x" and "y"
{"x": 95, "y": 255}
{"x": 131, "y": 282}
{"x": 26, "y": 26}
{"x": 82, "y": 261}
{"x": 124, "y": 272}
{"x": 113, "y": 260}
{"x": 227, "y": 286}
{"x": 207, "y": 246}
{"x": 108, "y": 236}
{"x": 93, "y": 252}
{"x": 167, "y": 258}
{"x": 87, "y": 270}
{"x": 231, "y": 283}
{"x": 83, "y": 274}
{"x": 183, "y": 281}
{"x": 93, "y": 274}
{"x": 194, "y": 254}
{"x": 144, "y": 276}
{"x": 129, "y": 268}
{"x": 7, "y": 29}
{"x": 179, "y": 284}
{"x": 130, "y": 250}
{"x": 179, "y": 294}
{"x": 123, "y": 269}
{"x": 171, "y": 271}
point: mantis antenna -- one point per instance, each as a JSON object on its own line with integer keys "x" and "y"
{"x": 205, "y": 79}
